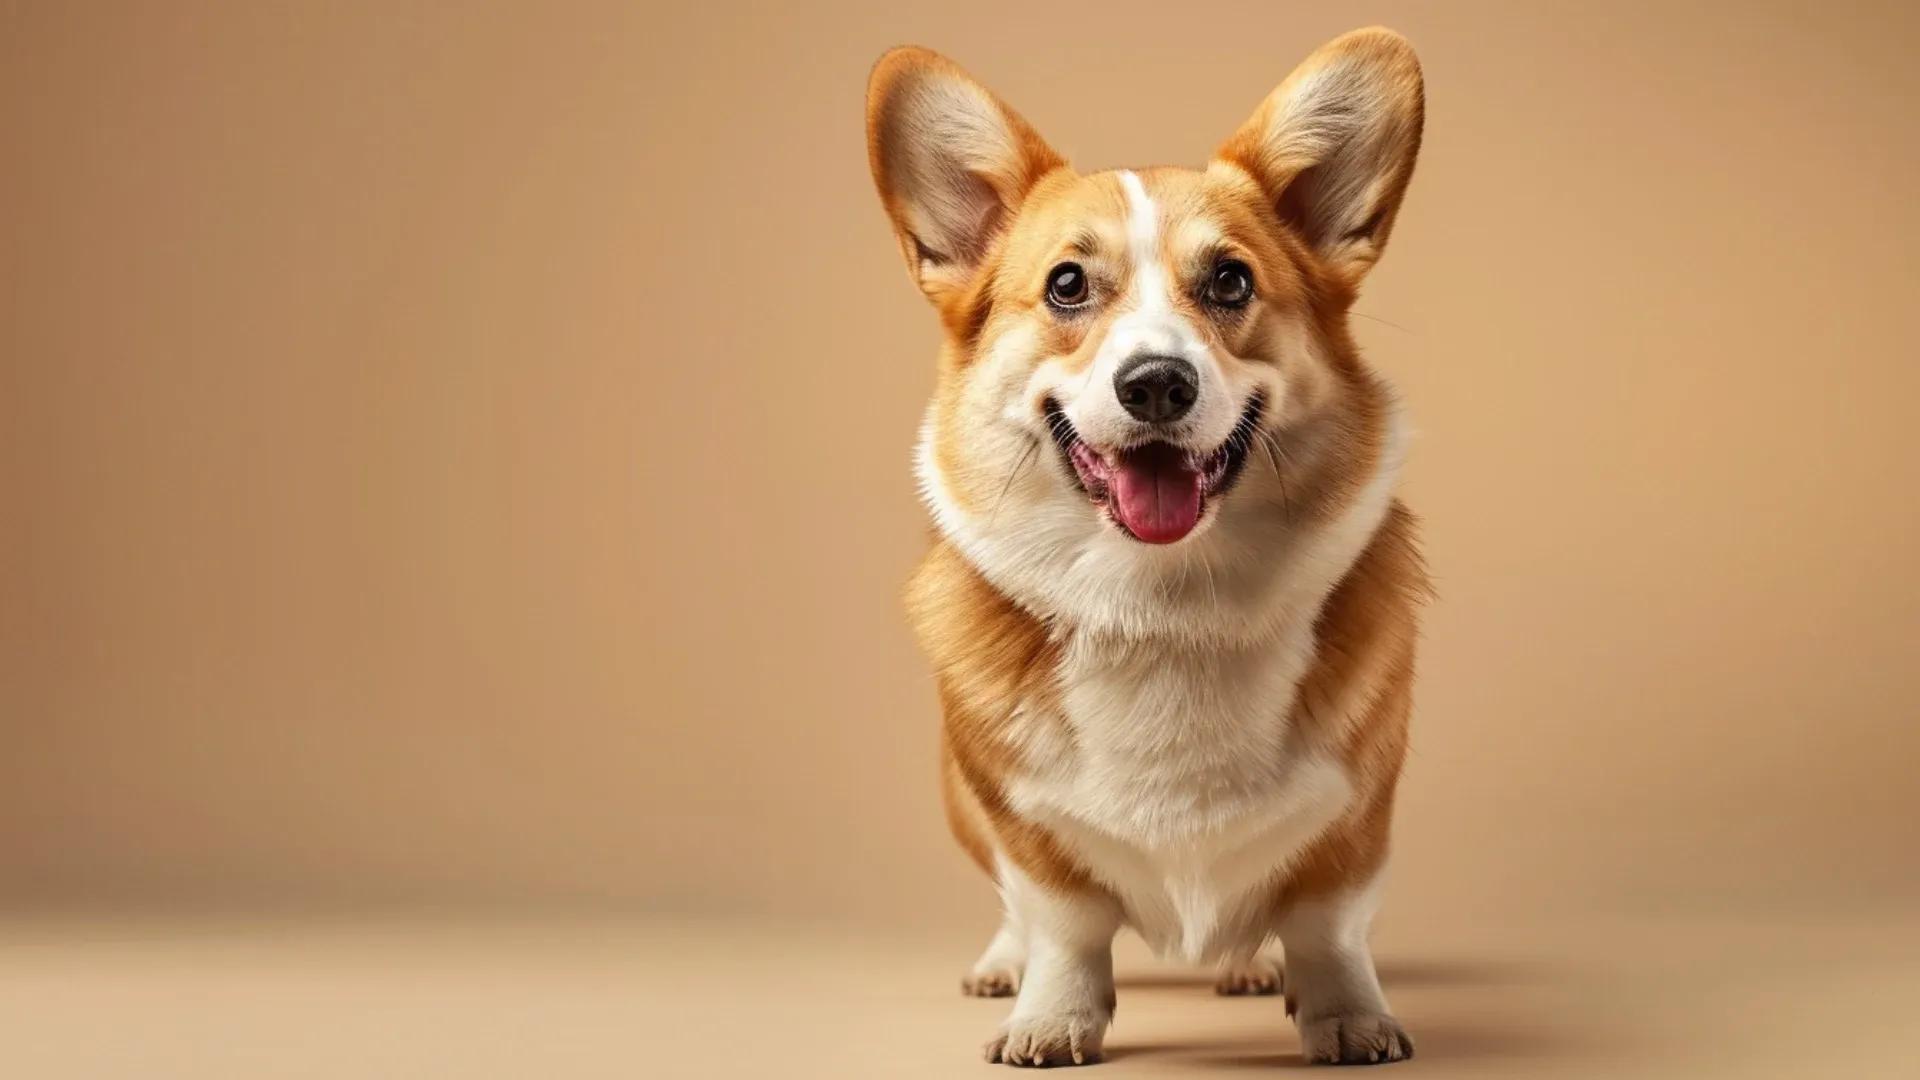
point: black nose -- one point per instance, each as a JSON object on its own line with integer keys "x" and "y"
{"x": 1156, "y": 389}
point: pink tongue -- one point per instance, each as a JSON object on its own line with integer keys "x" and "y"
{"x": 1156, "y": 494}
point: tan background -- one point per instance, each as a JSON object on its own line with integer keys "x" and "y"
{"x": 456, "y": 455}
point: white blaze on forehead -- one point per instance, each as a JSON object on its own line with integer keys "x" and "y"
{"x": 1149, "y": 322}
{"x": 1143, "y": 246}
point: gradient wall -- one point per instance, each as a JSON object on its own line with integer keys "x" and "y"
{"x": 458, "y": 454}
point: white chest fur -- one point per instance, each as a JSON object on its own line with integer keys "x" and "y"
{"x": 1174, "y": 776}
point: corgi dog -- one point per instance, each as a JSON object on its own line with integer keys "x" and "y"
{"x": 1172, "y": 600}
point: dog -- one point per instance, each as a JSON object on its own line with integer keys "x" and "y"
{"x": 1172, "y": 599}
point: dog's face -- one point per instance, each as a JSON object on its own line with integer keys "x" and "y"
{"x": 1147, "y": 376}
{"x": 1139, "y": 326}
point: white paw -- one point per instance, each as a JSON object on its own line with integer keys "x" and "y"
{"x": 1056, "y": 1039}
{"x": 1258, "y": 975}
{"x": 991, "y": 982}
{"x": 1354, "y": 1039}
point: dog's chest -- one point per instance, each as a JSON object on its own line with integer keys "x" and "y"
{"x": 1174, "y": 776}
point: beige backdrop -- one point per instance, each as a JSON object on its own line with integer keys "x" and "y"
{"x": 458, "y": 454}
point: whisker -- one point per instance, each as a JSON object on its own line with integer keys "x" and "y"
{"x": 1274, "y": 455}
{"x": 1383, "y": 322}
{"x": 1032, "y": 447}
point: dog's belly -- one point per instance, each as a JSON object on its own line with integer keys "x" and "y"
{"x": 1193, "y": 863}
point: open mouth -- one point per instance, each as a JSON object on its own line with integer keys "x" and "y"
{"x": 1155, "y": 492}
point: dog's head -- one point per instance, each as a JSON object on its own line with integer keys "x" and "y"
{"x": 1148, "y": 381}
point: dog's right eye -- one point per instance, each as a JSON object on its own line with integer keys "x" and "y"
{"x": 1067, "y": 286}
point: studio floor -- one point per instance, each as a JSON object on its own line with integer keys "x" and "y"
{"x": 563, "y": 997}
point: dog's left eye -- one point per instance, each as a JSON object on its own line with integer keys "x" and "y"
{"x": 1231, "y": 284}
{"x": 1067, "y": 286}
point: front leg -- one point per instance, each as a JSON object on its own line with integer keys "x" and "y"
{"x": 1332, "y": 991}
{"x": 1066, "y": 997}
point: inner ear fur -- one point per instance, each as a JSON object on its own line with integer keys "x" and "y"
{"x": 952, "y": 163}
{"x": 1333, "y": 146}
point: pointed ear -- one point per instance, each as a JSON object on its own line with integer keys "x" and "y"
{"x": 1333, "y": 146}
{"x": 951, "y": 161}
